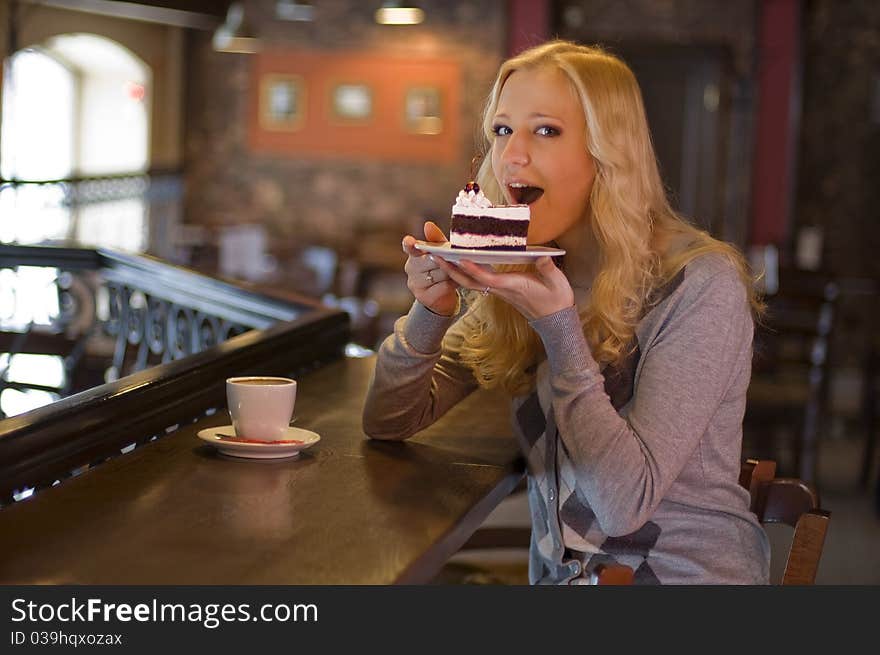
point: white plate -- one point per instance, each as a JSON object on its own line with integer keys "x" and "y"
{"x": 223, "y": 438}
{"x": 451, "y": 254}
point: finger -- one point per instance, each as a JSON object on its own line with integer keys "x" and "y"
{"x": 409, "y": 246}
{"x": 550, "y": 274}
{"x": 437, "y": 291}
{"x": 466, "y": 281}
{"x": 485, "y": 276}
{"x": 418, "y": 263}
{"x": 545, "y": 267}
{"x": 432, "y": 276}
{"x": 457, "y": 275}
{"x": 434, "y": 233}
{"x": 423, "y": 281}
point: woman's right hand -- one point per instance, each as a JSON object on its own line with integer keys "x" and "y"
{"x": 430, "y": 285}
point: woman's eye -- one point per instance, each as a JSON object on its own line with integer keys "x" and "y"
{"x": 546, "y": 130}
{"x": 501, "y": 130}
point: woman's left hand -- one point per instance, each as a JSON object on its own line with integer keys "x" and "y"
{"x": 535, "y": 294}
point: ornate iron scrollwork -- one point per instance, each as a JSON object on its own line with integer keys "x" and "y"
{"x": 180, "y": 331}
{"x": 156, "y": 325}
{"x": 146, "y": 328}
{"x": 158, "y": 330}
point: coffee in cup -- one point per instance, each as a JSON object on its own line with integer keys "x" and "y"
{"x": 261, "y": 406}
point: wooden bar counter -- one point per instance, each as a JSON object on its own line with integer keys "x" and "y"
{"x": 348, "y": 510}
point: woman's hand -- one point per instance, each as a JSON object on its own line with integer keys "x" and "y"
{"x": 535, "y": 295}
{"x": 429, "y": 284}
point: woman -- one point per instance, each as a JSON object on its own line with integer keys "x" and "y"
{"x": 627, "y": 366}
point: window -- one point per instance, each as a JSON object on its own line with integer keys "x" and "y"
{"x": 76, "y": 106}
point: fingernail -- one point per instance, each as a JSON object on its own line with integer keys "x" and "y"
{"x": 431, "y": 257}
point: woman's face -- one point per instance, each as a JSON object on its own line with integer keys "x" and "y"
{"x": 539, "y": 153}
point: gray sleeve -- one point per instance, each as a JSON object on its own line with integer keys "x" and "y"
{"x": 626, "y": 466}
{"x": 417, "y": 377}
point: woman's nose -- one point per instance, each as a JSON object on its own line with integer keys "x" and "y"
{"x": 516, "y": 151}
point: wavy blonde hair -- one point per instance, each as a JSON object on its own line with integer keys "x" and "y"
{"x": 643, "y": 243}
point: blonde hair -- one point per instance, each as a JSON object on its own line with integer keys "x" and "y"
{"x": 643, "y": 243}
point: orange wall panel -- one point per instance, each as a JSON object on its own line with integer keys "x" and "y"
{"x": 383, "y": 136}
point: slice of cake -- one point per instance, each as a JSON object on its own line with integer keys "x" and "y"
{"x": 477, "y": 225}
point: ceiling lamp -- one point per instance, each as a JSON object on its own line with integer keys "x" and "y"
{"x": 296, "y": 11}
{"x": 391, "y": 13}
{"x": 235, "y": 34}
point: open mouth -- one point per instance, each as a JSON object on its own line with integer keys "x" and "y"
{"x": 524, "y": 194}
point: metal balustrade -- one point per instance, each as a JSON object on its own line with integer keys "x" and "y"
{"x": 163, "y": 340}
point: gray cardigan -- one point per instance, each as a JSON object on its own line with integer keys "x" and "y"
{"x": 637, "y": 463}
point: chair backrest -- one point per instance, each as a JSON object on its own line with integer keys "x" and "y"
{"x": 753, "y": 473}
{"x": 794, "y": 503}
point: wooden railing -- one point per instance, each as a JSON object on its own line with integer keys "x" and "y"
{"x": 141, "y": 310}
{"x": 203, "y": 330}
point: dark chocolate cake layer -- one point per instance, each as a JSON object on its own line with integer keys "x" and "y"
{"x": 488, "y": 225}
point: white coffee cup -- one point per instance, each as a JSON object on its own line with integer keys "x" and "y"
{"x": 261, "y": 406}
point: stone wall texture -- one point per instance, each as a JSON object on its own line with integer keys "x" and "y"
{"x": 838, "y": 166}
{"x": 331, "y": 202}
{"x": 839, "y": 161}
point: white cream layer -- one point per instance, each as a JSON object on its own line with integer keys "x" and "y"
{"x": 508, "y": 213}
{"x": 483, "y": 240}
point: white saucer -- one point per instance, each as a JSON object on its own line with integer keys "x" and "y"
{"x": 451, "y": 254}
{"x": 223, "y": 438}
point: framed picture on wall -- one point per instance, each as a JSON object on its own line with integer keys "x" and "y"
{"x": 422, "y": 110}
{"x": 351, "y": 102}
{"x": 282, "y": 102}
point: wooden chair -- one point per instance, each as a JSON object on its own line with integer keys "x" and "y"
{"x": 612, "y": 574}
{"x": 795, "y": 503}
{"x": 774, "y": 500}
{"x": 753, "y": 473}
